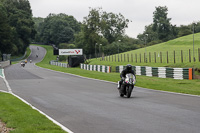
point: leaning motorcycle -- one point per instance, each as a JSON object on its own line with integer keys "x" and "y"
{"x": 127, "y": 85}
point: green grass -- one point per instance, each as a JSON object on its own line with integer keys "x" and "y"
{"x": 172, "y": 85}
{"x": 183, "y": 43}
{"x": 28, "y": 52}
{"x": 22, "y": 118}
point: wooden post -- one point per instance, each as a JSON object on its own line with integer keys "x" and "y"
{"x": 136, "y": 58}
{"x": 174, "y": 57}
{"x": 155, "y": 56}
{"x": 160, "y": 57}
{"x": 128, "y": 57}
{"x": 115, "y": 57}
{"x": 167, "y": 57}
{"x": 199, "y": 53}
{"x": 182, "y": 56}
{"x": 112, "y": 58}
{"x": 121, "y": 57}
{"x": 118, "y": 57}
{"x": 131, "y": 57}
{"x": 144, "y": 58}
{"x": 140, "y": 58}
{"x": 189, "y": 56}
{"x": 150, "y": 57}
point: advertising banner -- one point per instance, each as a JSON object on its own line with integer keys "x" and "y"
{"x": 70, "y": 51}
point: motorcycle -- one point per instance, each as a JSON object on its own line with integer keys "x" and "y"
{"x": 23, "y": 63}
{"x": 127, "y": 85}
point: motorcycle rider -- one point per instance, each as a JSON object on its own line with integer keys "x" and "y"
{"x": 127, "y": 70}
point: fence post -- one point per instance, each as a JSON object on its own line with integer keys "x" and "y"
{"x": 121, "y": 57}
{"x": 199, "y": 54}
{"x": 160, "y": 57}
{"x": 136, "y": 58}
{"x": 150, "y": 57}
{"x": 140, "y": 58}
{"x": 124, "y": 57}
{"x": 155, "y": 56}
{"x": 128, "y": 57}
{"x": 189, "y": 56}
{"x": 144, "y": 58}
{"x": 118, "y": 57}
{"x": 174, "y": 57}
{"x": 115, "y": 57}
{"x": 131, "y": 57}
{"x": 167, "y": 57}
{"x": 112, "y": 58}
{"x": 182, "y": 56}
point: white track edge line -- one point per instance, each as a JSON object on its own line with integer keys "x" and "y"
{"x": 51, "y": 119}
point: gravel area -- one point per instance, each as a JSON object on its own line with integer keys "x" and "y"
{"x": 3, "y": 128}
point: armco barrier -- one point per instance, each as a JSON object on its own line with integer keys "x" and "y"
{"x": 100, "y": 68}
{"x": 162, "y": 72}
{"x": 58, "y": 64}
{"x": 4, "y": 63}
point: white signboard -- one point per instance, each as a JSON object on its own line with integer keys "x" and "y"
{"x": 70, "y": 51}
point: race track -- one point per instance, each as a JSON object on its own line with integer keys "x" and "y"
{"x": 92, "y": 106}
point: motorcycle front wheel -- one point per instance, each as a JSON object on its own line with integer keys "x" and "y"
{"x": 129, "y": 91}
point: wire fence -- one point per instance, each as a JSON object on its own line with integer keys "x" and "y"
{"x": 176, "y": 56}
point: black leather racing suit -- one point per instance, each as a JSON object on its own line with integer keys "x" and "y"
{"x": 123, "y": 75}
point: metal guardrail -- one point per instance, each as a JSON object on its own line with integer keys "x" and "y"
{"x": 100, "y": 68}
{"x": 56, "y": 63}
{"x": 20, "y": 58}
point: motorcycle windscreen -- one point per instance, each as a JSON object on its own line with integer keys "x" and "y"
{"x": 130, "y": 78}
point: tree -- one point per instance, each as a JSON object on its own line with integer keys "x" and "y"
{"x": 102, "y": 28}
{"x": 6, "y": 44}
{"x": 57, "y": 29}
{"x": 184, "y": 30}
{"x": 161, "y": 24}
{"x": 20, "y": 20}
{"x": 113, "y": 26}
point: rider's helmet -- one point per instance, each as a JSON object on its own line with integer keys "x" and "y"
{"x": 129, "y": 67}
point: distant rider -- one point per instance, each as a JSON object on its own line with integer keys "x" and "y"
{"x": 127, "y": 70}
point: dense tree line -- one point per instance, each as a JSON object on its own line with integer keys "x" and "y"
{"x": 56, "y": 29}
{"x": 101, "y": 32}
{"x": 162, "y": 30}
{"x": 99, "y": 27}
{"x": 16, "y": 26}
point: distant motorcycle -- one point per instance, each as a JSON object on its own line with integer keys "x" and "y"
{"x": 127, "y": 85}
{"x": 23, "y": 63}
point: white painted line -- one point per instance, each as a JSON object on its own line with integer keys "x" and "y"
{"x": 54, "y": 121}
{"x": 176, "y": 93}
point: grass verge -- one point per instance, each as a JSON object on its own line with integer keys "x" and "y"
{"x": 22, "y": 118}
{"x": 167, "y": 84}
{"x": 28, "y": 52}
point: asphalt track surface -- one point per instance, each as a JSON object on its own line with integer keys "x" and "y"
{"x": 92, "y": 106}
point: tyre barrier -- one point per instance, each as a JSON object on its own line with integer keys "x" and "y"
{"x": 99, "y": 68}
{"x": 58, "y": 64}
{"x": 161, "y": 72}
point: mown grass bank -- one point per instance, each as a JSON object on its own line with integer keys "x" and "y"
{"x": 172, "y": 85}
{"x": 22, "y": 118}
{"x": 184, "y": 43}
